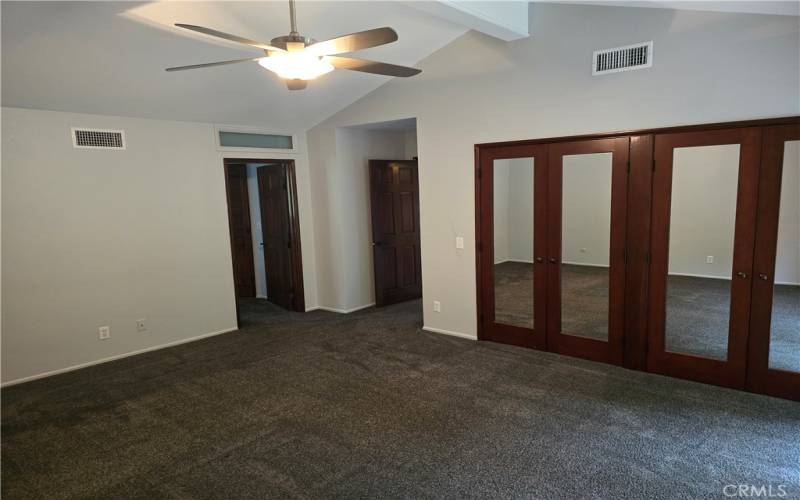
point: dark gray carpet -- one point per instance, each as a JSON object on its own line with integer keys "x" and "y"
{"x": 368, "y": 406}
{"x": 697, "y": 310}
{"x": 584, "y": 298}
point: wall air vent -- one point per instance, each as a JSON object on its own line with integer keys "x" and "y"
{"x": 626, "y": 58}
{"x": 92, "y": 138}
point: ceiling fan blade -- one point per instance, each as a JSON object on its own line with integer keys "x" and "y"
{"x": 206, "y": 65}
{"x": 296, "y": 84}
{"x": 228, "y": 36}
{"x": 375, "y": 67}
{"x": 353, "y": 42}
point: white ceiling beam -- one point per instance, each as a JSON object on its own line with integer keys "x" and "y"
{"x": 506, "y": 20}
{"x": 771, "y": 7}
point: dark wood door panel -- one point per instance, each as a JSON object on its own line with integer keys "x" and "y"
{"x": 566, "y": 342}
{"x": 489, "y": 328}
{"x": 274, "y": 197}
{"x": 394, "y": 197}
{"x": 760, "y": 377}
{"x": 240, "y": 230}
{"x": 731, "y": 371}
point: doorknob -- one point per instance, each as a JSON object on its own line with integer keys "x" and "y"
{"x": 741, "y": 274}
{"x": 539, "y": 259}
{"x": 553, "y": 260}
{"x": 763, "y": 276}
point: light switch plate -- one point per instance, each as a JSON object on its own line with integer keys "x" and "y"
{"x": 459, "y": 242}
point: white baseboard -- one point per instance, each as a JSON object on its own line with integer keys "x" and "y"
{"x": 514, "y": 260}
{"x": 261, "y": 296}
{"x": 706, "y": 276}
{"x": 340, "y": 311}
{"x": 113, "y": 358}
{"x": 584, "y": 264}
{"x": 449, "y": 332}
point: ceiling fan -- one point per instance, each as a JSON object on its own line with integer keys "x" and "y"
{"x": 298, "y": 59}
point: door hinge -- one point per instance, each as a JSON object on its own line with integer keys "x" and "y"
{"x": 647, "y": 257}
{"x": 654, "y": 164}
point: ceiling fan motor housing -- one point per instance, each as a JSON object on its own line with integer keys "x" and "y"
{"x": 282, "y": 41}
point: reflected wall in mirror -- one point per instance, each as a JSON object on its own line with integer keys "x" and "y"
{"x": 701, "y": 235}
{"x": 784, "y": 346}
{"x": 513, "y": 241}
{"x": 585, "y": 244}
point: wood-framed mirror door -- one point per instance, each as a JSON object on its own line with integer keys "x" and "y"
{"x": 702, "y": 253}
{"x": 587, "y": 189}
{"x": 774, "y": 344}
{"x": 512, "y": 225}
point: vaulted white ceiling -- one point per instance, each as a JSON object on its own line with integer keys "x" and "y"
{"x": 109, "y": 58}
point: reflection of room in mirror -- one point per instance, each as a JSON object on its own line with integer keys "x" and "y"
{"x": 585, "y": 244}
{"x": 513, "y": 241}
{"x": 784, "y": 346}
{"x": 702, "y": 222}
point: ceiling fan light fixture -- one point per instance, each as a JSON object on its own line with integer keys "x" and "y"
{"x": 296, "y": 65}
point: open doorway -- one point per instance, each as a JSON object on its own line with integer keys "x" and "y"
{"x": 265, "y": 233}
{"x": 386, "y": 155}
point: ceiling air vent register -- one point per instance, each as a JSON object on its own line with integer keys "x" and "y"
{"x": 625, "y": 58}
{"x": 92, "y": 138}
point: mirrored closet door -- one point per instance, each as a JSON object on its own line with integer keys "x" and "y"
{"x": 703, "y": 230}
{"x": 774, "y": 362}
{"x": 586, "y": 248}
{"x": 513, "y": 184}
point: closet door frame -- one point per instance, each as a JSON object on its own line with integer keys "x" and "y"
{"x": 640, "y": 279}
{"x": 612, "y": 350}
{"x": 760, "y": 377}
{"x": 488, "y": 329}
{"x": 732, "y": 371}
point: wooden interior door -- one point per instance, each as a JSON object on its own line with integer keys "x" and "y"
{"x": 699, "y": 320}
{"x": 394, "y": 197}
{"x": 240, "y": 231}
{"x": 774, "y": 343}
{"x": 512, "y": 234}
{"x": 273, "y": 187}
{"x": 586, "y": 226}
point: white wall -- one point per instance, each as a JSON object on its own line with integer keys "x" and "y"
{"x": 410, "y": 138}
{"x": 255, "y": 229}
{"x": 703, "y": 210}
{"x": 478, "y": 89}
{"x": 586, "y": 209}
{"x": 513, "y": 210}
{"x": 501, "y": 171}
{"x": 787, "y": 265}
{"x": 342, "y": 213}
{"x": 94, "y": 238}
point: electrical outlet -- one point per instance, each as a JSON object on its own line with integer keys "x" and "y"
{"x": 710, "y": 259}
{"x": 437, "y": 306}
{"x": 104, "y": 332}
{"x": 141, "y": 325}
